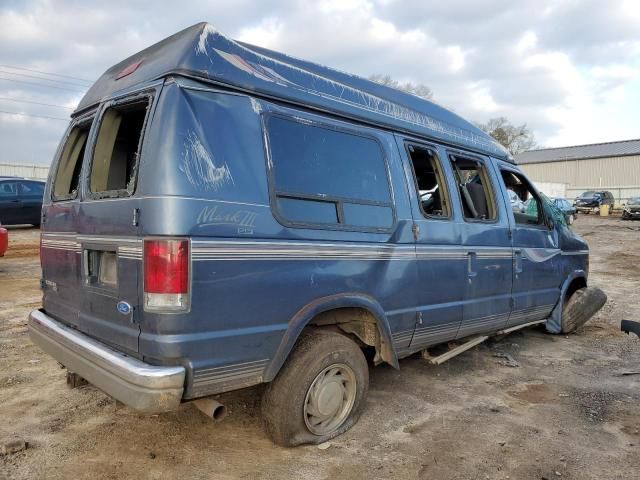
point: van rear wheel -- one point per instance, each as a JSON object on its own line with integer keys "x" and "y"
{"x": 319, "y": 393}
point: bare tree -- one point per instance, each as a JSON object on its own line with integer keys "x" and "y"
{"x": 515, "y": 138}
{"x": 419, "y": 89}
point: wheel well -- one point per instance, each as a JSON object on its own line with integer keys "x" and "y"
{"x": 576, "y": 284}
{"x": 355, "y": 321}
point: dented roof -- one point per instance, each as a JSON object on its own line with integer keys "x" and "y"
{"x": 580, "y": 152}
{"x": 203, "y": 53}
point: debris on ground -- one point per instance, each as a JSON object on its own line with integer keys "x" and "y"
{"x": 508, "y": 360}
{"x": 13, "y": 445}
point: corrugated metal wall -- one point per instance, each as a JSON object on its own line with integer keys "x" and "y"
{"x": 21, "y": 170}
{"x": 619, "y": 175}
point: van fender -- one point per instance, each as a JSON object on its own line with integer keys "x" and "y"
{"x": 302, "y": 318}
{"x": 553, "y": 324}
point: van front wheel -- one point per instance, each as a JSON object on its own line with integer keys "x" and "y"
{"x": 319, "y": 393}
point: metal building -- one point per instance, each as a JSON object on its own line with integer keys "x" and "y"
{"x": 613, "y": 166}
{"x": 38, "y": 172}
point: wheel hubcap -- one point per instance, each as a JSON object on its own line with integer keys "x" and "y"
{"x": 330, "y": 399}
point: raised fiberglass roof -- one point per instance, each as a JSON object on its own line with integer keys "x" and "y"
{"x": 202, "y": 52}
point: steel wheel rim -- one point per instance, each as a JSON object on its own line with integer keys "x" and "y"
{"x": 330, "y": 399}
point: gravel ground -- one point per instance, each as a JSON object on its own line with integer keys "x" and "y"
{"x": 565, "y": 412}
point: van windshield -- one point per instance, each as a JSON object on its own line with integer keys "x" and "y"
{"x": 588, "y": 194}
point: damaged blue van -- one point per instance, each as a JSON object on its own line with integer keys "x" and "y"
{"x": 219, "y": 215}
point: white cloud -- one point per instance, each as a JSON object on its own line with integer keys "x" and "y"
{"x": 569, "y": 69}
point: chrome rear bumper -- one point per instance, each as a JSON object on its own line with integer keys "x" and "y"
{"x": 141, "y": 386}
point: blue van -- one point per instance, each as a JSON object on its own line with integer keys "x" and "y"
{"x": 219, "y": 215}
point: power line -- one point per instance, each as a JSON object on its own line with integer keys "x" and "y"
{"x": 33, "y": 115}
{"x": 34, "y": 103}
{"x": 42, "y": 78}
{"x": 46, "y": 73}
{"x": 41, "y": 84}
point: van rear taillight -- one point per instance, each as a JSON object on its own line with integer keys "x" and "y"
{"x": 166, "y": 275}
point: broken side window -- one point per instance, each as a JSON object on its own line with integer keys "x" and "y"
{"x": 117, "y": 149}
{"x": 432, "y": 190}
{"x": 527, "y": 206}
{"x": 476, "y": 195}
{"x": 65, "y": 184}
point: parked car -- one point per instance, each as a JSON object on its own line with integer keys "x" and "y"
{"x": 591, "y": 201}
{"x": 631, "y": 209}
{"x": 20, "y": 201}
{"x": 567, "y": 208}
{"x": 4, "y": 240}
{"x": 221, "y": 215}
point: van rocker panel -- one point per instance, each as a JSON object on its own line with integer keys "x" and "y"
{"x": 141, "y": 386}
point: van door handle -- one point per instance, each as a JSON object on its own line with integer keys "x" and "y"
{"x": 517, "y": 261}
{"x": 471, "y": 262}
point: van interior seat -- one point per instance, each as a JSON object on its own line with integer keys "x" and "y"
{"x": 479, "y": 199}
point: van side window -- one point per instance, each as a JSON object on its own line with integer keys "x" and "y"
{"x": 474, "y": 186}
{"x": 117, "y": 147}
{"x": 525, "y": 202}
{"x": 65, "y": 184}
{"x": 430, "y": 184}
{"x": 326, "y": 176}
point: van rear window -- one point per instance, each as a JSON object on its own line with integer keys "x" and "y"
{"x": 65, "y": 184}
{"x": 116, "y": 152}
{"x": 326, "y": 176}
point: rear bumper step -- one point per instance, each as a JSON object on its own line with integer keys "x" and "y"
{"x": 141, "y": 386}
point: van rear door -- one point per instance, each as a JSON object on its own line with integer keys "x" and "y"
{"x": 108, "y": 232}
{"x": 59, "y": 249}
{"x": 107, "y": 249}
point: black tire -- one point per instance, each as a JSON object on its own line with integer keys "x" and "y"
{"x": 580, "y": 307}
{"x": 284, "y": 399}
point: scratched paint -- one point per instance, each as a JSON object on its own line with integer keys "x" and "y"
{"x": 255, "y": 105}
{"x": 199, "y": 167}
{"x": 202, "y": 47}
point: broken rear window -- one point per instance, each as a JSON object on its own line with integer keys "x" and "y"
{"x": 65, "y": 185}
{"x": 117, "y": 149}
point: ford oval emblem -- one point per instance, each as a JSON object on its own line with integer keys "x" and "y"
{"x": 124, "y": 308}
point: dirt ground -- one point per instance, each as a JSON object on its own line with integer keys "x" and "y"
{"x": 566, "y": 412}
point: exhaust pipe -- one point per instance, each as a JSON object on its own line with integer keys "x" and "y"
{"x": 211, "y": 408}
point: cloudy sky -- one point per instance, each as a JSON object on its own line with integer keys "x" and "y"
{"x": 569, "y": 69}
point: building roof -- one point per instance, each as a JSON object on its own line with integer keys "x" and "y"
{"x": 578, "y": 152}
{"x": 202, "y": 53}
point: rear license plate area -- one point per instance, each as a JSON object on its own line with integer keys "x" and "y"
{"x": 101, "y": 268}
